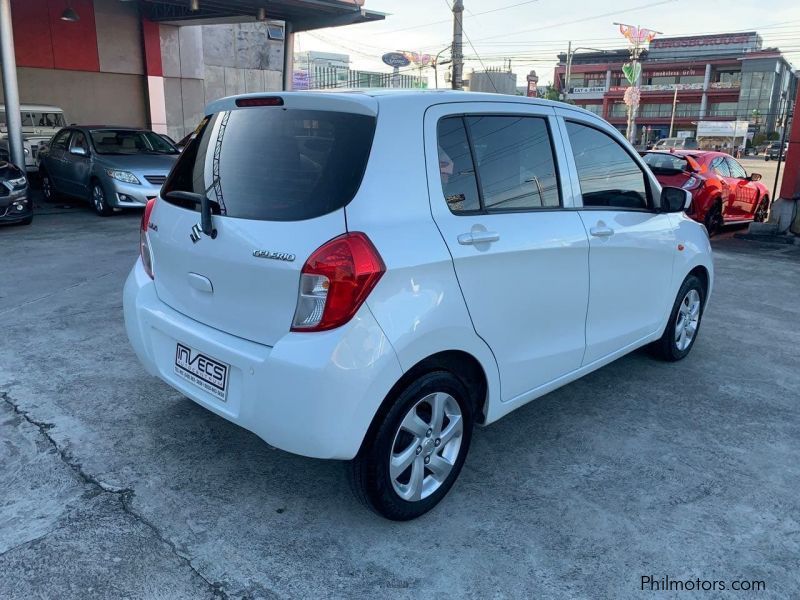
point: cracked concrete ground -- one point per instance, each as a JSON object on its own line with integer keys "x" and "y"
{"x": 114, "y": 486}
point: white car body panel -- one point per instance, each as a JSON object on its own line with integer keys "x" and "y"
{"x": 316, "y": 394}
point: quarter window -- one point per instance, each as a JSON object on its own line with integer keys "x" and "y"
{"x": 514, "y": 160}
{"x": 608, "y": 175}
{"x": 79, "y": 141}
{"x": 720, "y": 167}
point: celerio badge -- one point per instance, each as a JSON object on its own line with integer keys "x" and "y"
{"x": 274, "y": 255}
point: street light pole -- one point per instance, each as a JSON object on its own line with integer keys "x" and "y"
{"x": 436, "y": 65}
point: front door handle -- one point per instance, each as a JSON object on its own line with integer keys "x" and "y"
{"x": 601, "y": 231}
{"x": 478, "y": 237}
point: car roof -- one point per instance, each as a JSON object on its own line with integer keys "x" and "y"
{"x": 36, "y": 107}
{"x": 368, "y": 100}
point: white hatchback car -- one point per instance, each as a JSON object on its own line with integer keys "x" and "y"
{"x": 367, "y": 276}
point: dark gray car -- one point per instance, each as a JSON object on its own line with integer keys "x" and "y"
{"x": 111, "y": 167}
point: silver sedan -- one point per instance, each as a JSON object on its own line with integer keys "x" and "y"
{"x": 111, "y": 167}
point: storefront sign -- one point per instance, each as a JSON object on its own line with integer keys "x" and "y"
{"x": 702, "y": 40}
{"x": 674, "y": 73}
{"x": 668, "y": 87}
{"x": 395, "y": 59}
{"x": 597, "y": 89}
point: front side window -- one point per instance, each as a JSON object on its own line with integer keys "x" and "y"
{"x": 608, "y": 175}
{"x": 514, "y": 160}
{"x": 60, "y": 141}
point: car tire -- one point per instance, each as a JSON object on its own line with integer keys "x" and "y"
{"x": 762, "y": 211}
{"x": 684, "y": 321}
{"x": 428, "y": 423}
{"x": 48, "y": 189}
{"x": 99, "y": 200}
{"x": 713, "y": 220}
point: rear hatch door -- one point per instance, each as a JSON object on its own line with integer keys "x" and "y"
{"x": 278, "y": 178}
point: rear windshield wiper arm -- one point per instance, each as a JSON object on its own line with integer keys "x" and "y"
{"x": 204, "y": 201}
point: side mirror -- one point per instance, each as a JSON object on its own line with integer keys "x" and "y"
{"x": 755, "y": 177}
{"x": 79, "y": 151}
{"x": 674, "y": 199}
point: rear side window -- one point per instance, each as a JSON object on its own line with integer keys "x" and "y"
{"x": 513, "y": 157}
{"x": 275, "y": 164}
{"x": 608, "y": 175}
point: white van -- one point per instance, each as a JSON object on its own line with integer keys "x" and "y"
{"x": 40, "y": 123}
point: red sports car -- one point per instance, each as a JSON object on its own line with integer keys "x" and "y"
{"x": 722, "y": 191}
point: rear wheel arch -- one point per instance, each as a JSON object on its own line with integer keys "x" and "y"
{"x": 462, "y": 365}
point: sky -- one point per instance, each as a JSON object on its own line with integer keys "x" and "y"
{"x": 532, "y": 32}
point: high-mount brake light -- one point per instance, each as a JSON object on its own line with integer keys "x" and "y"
{"x": 144, "y": 243}
{"x": 335, "y": 282}
{"x": 263, "y": 101}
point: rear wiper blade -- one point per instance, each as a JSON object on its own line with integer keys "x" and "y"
{"x": 206, "y": 225}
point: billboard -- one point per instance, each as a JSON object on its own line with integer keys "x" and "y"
{"x": 722, "y": 129}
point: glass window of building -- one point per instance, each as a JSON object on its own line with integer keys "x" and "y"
{"x": 692, "y": 79}
{"x": 687, "y": 109}
{"x": 723, "y": 109}
{"x": 618, "y": 109}
{"x": 662, "y": 80}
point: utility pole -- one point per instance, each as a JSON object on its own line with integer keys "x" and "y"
{"x": 567, "y": 72}
{"x": 674, "y": 106}
{"x": 458, "y": 47}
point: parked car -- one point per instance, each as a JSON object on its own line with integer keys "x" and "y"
{"x": 687, "y": 143}
{"x": 773, "y": 151}
{"x": 15, "y": 205}
{"x": 722, "y": 191}
{"x": 39, "y": 124}
{"x": 431, "y": 262}
{"x": 111, "y": 167}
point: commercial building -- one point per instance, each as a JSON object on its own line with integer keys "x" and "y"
{"x": 496, "y": 81}
{"x": 153, "y": 63}
{"x": 315, "y": 70}
{"x": 724, "y": 77}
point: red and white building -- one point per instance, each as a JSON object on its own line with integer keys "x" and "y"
{"x": 719, "y": 77}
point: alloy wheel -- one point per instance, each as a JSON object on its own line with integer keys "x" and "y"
{"x": 47, "y": 189}
{"x": 688, "y": 319}
{"x": 426, "y": 446}
{"x": 762, "y": 211}
{"x": 99, "y": 198}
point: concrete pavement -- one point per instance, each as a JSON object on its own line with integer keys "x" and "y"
{"x": 113, "y": 485}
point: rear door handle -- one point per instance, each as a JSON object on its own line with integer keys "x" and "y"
{"x": 478, "y": 237}
{"x": 601, "y": 231}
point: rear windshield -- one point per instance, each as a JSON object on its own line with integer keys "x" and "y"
{"x": 665, "y": 163}
{"x": 275, "y": 164}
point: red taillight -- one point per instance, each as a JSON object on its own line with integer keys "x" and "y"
{"x": 144, "y": 243}
{"x": 335, "y": 281}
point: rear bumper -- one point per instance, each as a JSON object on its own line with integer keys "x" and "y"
{"x": 313, "y": 394}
